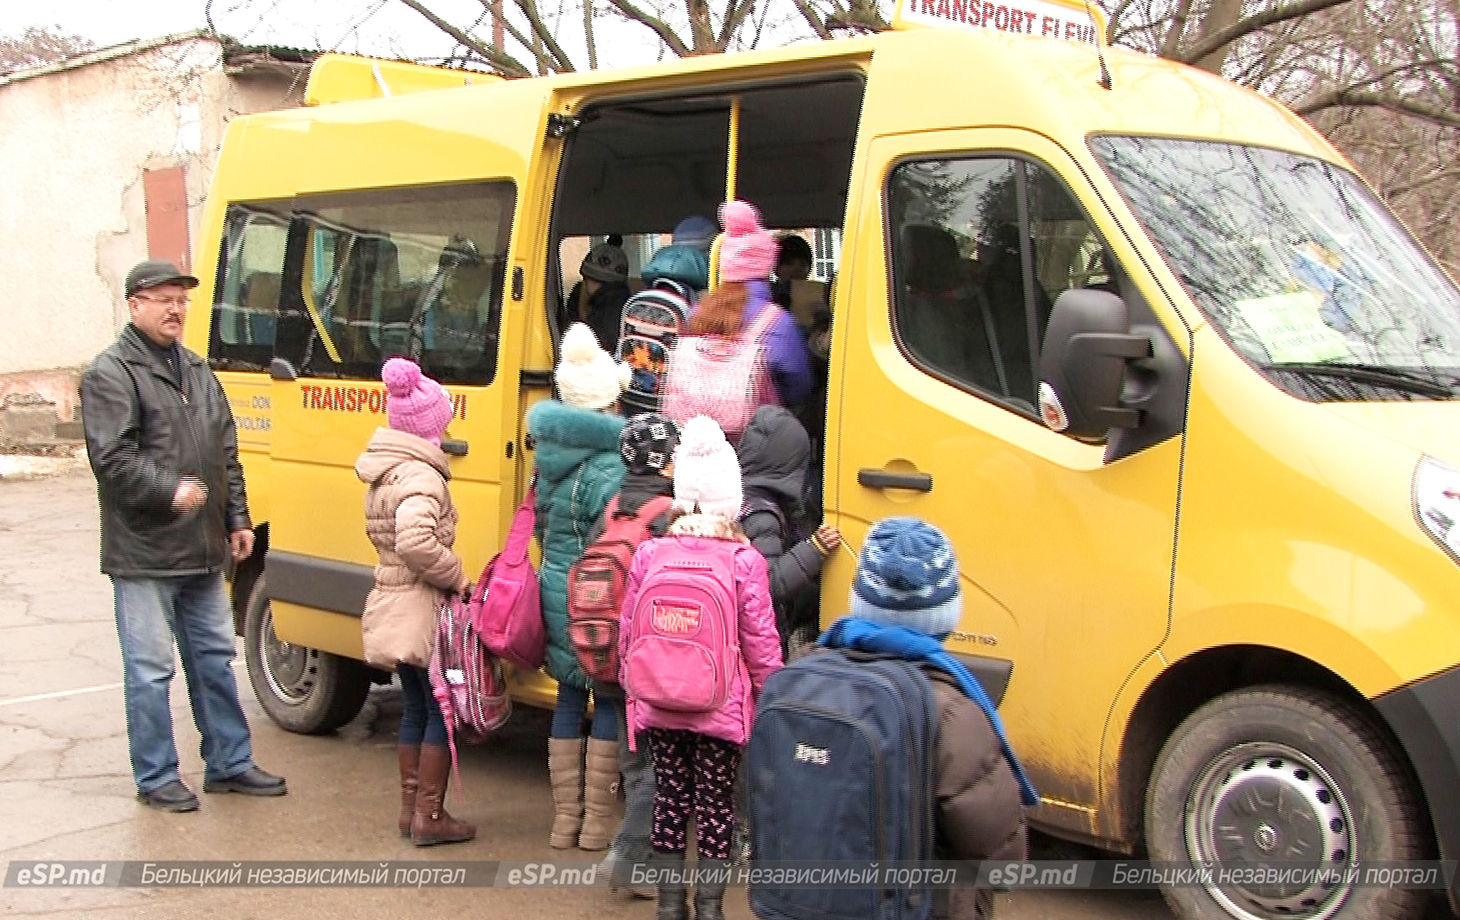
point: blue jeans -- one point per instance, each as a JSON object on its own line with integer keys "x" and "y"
{"x": 573, "y": 706}
{"x": 192, "y": 610}
{"x": 420, "y": 717}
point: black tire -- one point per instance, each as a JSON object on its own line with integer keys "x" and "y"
{"x": 1281, "y": 774}
{"x": 302, "y": 689}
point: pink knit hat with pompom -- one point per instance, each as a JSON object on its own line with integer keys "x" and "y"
{"x": 414, "y": 403}
{"x": 748, "y": 249}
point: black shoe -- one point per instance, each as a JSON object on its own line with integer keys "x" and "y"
{"x": 173, "y": 796}
{"x": 252, "y": 781}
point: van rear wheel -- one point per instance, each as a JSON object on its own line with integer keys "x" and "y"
{"x": 1283, "y": 777}
{"x": 302, "y": 689}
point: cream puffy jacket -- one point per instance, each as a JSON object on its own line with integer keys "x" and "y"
{"x": 411, "y": 520}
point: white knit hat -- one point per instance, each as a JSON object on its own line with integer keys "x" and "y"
{"x": 706, "y": 471}
{"x": 588, "y": 377}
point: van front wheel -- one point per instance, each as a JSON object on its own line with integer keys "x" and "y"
{"x": 1288, "y": 778}
{"x": 302, "y": 689}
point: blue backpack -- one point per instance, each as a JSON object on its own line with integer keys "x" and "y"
{"x": 843, "y": 740}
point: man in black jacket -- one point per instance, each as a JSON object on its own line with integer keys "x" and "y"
{"x": 161, "y": 440}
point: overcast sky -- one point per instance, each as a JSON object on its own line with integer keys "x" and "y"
{"x": 382, "y": 27}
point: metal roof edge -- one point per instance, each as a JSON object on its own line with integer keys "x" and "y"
{"x": 111, "y": 53}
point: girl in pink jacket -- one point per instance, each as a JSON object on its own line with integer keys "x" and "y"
{"x": 696, "y": 750}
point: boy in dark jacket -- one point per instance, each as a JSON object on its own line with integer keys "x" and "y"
{"x": 774, "y": 453}
{"x": 646, "y": 445}
{"x": 905, "y": 600}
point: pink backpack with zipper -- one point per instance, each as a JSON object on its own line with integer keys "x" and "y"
{"x": 466, "y": 679}
{"x": 724, "y": 377}
{"x": 683, "y": 648}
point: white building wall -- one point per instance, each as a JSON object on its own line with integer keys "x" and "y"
{"x": 74, "y": 142}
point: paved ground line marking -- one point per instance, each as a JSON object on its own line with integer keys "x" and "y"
{"x": 61, "y": 694}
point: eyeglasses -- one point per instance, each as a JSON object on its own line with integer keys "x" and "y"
{"x": 179, "y": 301}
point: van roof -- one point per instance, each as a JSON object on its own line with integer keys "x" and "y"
{"x": 931, "y": 81}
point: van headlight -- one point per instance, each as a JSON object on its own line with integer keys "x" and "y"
{"x": 1437, "y": 502}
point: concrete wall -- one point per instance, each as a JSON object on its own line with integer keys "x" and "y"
{"x": 75, "y": 140}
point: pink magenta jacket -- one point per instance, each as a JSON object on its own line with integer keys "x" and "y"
{"x": 760, "y": 644}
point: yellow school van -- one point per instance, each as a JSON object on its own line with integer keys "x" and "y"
{"x": 1178, "y": 387}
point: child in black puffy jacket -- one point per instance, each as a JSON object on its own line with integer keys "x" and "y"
{"x": 774, "y": 454}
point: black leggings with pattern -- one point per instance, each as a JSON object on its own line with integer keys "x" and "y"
{"x": 693, "y": 771}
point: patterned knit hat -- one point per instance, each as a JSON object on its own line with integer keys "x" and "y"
{"x": 588, "y": 377}
{"x": 697, "y": 231}
{"x": 647, "y": 442}
{"x": 605, "y": 262}
{"x": 907, "y": 575}
{"x": 706, "y": 471}
{"x": 414, "y": 403}
{"x": 748, "y": 251}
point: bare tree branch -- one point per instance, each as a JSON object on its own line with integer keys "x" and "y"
{"x": 1250, "y": 24}
{"x": 558, "y": 59}
{"x": 735, "y": 13}
{"x": 812, "y": 20}
{"x": 499, "y": 19}
{"x": 503, "y": 62}
{"x": 1393, "y": 102}
{"x": 657, "y": 25}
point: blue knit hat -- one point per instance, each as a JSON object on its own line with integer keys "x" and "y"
{"x": 697, "y": 231}
{"x": 907, "y": 575}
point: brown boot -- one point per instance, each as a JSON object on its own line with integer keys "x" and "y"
{"x": 565, "y": 771}
{"x": 409, "y": 756}
{"x": 431, "y": 824}
{"x": 600, "y": 787}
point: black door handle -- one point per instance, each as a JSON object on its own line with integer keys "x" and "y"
{"x": 454, "y": 447}
{"x": 881, "y": 479}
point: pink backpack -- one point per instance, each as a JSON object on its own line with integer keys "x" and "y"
{"x": 466, "y": 679}
{"x": 505, "y": 605}
{"x": 724, "y": 377}
{"x": 683, "y": 648}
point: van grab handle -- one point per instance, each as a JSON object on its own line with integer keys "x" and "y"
{"x": 454, "y": 447}
{"x": 881, "y": 479}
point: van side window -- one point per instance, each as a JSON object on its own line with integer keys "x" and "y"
{"x": 246, "y": 303}
{"x": 416, "y": 272}
{"x": 980, "y": 248}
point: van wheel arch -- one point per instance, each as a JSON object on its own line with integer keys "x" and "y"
{"x": 302, "y": 689}
{"x": 1299, "y": 770}
{"x": 1186, "y": 686}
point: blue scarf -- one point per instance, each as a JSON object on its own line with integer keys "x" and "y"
{"x": 899, "y": 641}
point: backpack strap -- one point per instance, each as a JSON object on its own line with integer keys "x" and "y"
{"x": 850, "y": 632}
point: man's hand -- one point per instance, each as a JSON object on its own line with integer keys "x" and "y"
{"x": 240, "y": 543}
{"x": 191, "y": 494}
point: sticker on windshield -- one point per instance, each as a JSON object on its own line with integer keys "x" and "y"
{"x": 1291, "y": 328}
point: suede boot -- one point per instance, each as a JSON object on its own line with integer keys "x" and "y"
{"x": 409, "y": 756}
{"x": 710, "y": 896}
{"x": 600, "y": 787}
{"x": 672, "y": 904}
{"x": 565, "y": 771}
{"x": 431, "y": 824}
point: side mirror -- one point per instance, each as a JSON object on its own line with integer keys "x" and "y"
{"x": 1082, "y": 368}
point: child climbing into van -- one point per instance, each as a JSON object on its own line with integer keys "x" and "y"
{"x": 742, "y": 351}
{"x": 698, "y": 641}
{"x": 774, "y": 455}
{"x": 578, "y": 471}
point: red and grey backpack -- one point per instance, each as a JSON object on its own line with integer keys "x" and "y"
{"x": 596, "y": 584}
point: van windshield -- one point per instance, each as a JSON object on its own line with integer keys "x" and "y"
{"x": 1296, "y": 263}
